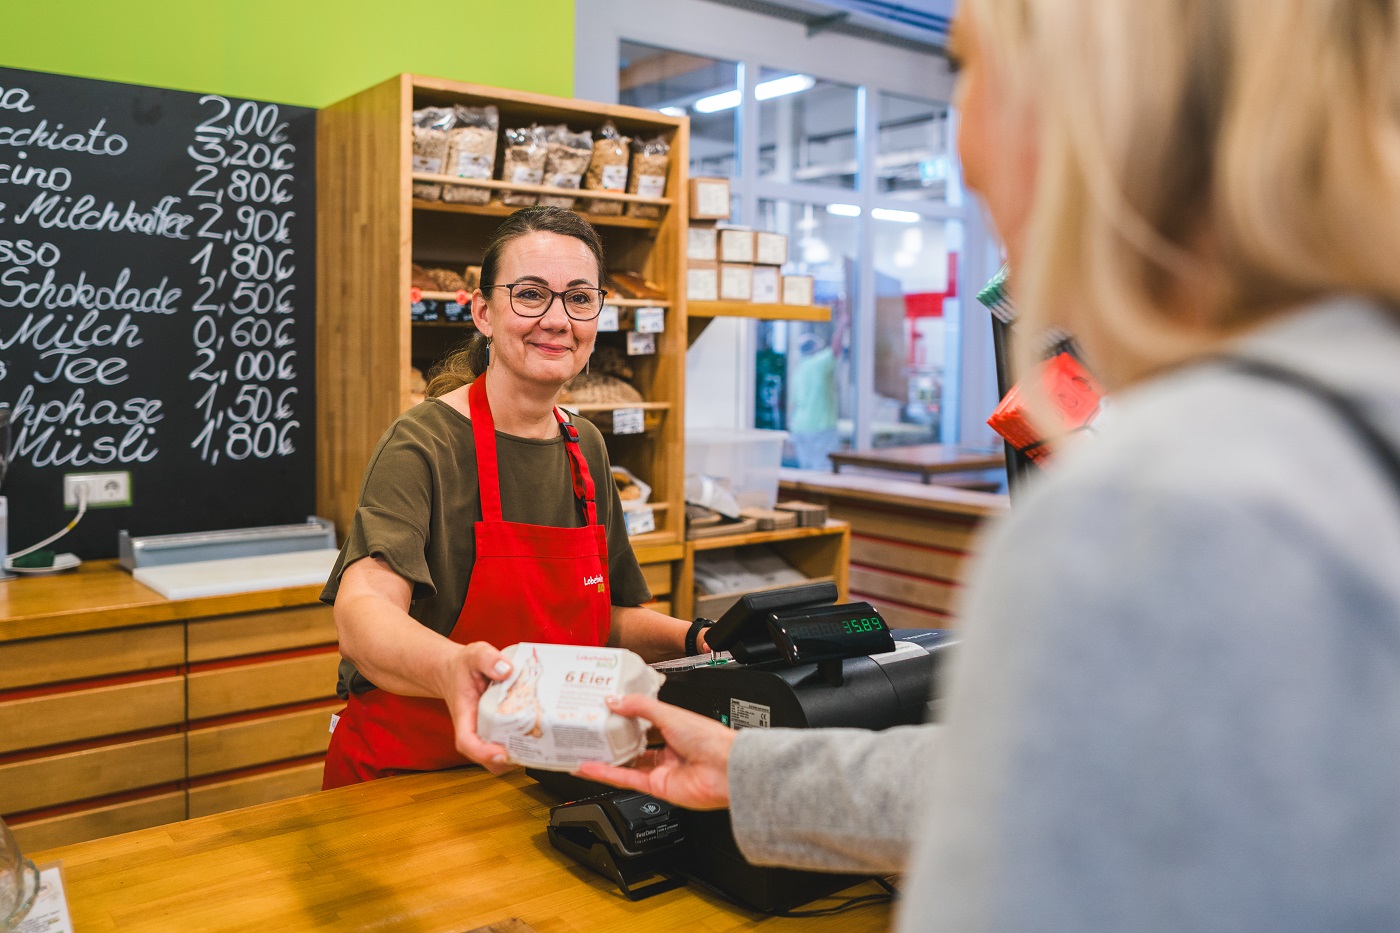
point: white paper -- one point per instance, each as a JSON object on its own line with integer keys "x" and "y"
{"x": 427, "y": 164}
{"x": 527, "y": 176}
{"x": 650, "y": 320}
{"x": 640, "y": 344}
{"x": 651, "y": 186}
{"x": 639, "y": 521}
{"x": 627, "y": 421}
{"x": 614, "y": 177}
{"x": 50, "y": 911}
{"x": 607, "y": 318}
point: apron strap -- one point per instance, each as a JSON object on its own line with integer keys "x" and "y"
{"x": 578, "y": 467}
{"x": 488, "y": 470}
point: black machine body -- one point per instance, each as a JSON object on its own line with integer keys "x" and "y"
{"x": 625, "y": 836}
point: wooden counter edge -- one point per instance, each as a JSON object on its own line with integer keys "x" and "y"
{"x": 894, "y": 492}
{"x": 59, "y": 605}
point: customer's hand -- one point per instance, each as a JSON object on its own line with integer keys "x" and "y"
{"x": 692, "y": 770}
{"x": 473, "y": 668}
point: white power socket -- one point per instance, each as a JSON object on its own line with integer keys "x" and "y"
{"x": 104, "y": 490}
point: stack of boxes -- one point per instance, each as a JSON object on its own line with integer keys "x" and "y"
{"x": 725, "y": 263}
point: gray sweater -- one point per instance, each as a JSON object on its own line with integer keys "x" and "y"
{"x": 1177, "y": 702}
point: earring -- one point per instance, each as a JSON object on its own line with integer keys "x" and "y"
{"x": 488, "y": 351}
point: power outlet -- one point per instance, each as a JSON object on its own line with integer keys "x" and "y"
{"x": 104, "y": 490}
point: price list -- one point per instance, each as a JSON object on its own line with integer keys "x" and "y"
{"x": 244, "y": 314}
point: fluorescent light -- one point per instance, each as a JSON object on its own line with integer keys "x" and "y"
{"x": 673, "y": 111}
{"x": 791, "y": 84}
{"x": 903, "y": 217}
{"x": 725, "y": 100}
{"x": 844, "y": 210}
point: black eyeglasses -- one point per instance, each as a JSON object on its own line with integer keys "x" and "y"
{"x": 530, "y": 300}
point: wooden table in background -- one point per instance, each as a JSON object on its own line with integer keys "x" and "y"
{"x": 450, "y": 851}
{"x": 927, "y": 460}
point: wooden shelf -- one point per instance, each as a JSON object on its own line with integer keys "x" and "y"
{"x": 652, "y": 539}
{"x": 763, "y": 312}
{"x": 638, "y": 303}
{"x": 505, "y": 210}
{"x": 548, "y": 190}
{"x": 457, "y": 324}
{"x": 614, "y": 406}
{"x": 767, "y": 537}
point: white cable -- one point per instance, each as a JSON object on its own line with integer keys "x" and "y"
{"x": 82, "y": 510}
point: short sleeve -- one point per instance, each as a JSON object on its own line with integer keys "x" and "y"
{"x": 389, "y": 523}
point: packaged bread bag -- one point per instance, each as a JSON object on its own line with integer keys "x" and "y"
{"x": 567, "y": 159}
{"x": 471, "y": 152}
{"x": 607, "y": 170}
{"x": 551, "y": 712}
{"x": 430, "y": 140}
{"x": 523, "y": 163}
{"x": 650, "y": 159}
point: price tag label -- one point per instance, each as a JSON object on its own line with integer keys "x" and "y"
{"x": 650, "y": 320}
{"x": 639, "y": 521}
{"x": 628, "y": 421}
{"x": 607, "y": 318}
{"x": 639, "y": 344}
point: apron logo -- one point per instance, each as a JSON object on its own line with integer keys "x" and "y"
{"x": 598, "y": 579}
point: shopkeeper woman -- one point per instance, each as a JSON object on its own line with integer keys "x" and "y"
{"x": 487, "y": 518}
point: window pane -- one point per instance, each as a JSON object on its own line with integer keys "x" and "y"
{"x": 676, "y": 81}
{"x": 804, "y": 381}
{"x": 916, "y": 308}
{"x": 915, "y": 153}
{"x": 807, "y": 129}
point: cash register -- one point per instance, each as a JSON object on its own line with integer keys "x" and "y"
{"x": 789, "y": 658}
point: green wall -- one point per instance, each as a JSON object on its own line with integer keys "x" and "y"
{"x": 307, "y": 52}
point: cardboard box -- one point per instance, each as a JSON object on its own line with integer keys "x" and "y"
{"x": 735, "y": 281}
{"x": 797, "y": 289}
{"x": 702, "y": 281}
{"x": 702, "y": 244}
{"x": 736, "y": 245}
{"x": 767, "y": 284}
{"x": 770, "y": 249}
{"x": 709, "y": 198}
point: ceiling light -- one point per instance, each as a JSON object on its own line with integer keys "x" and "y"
{"x": 725, "y": 100}
{"x": 845, "y": 210}
{"x": 791, "y": 84}
{"x": 903, "y": 217}
{"x": 673, "y": 111}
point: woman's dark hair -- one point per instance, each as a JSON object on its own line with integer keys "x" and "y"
{"x": 469, "y": 360}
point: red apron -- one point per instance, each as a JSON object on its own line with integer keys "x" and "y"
{"x": 529, "y": 583}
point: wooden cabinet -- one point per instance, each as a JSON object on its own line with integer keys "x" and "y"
{"x": 372, "y": 230}
{"x": 121, "y": 710}
{"x": 820, "y": 553}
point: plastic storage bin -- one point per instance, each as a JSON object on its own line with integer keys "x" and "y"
{"x": 748, "y": 460}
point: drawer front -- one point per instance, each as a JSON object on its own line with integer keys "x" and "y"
{"x": 250, "y": 790}
{"x": 952, "y": 533}
{"x": 127, "y": 816}
{"x": 75, "y": 715}
{"x": 916, "y": 592}
{"x": 231, "y": 746}
{"x": 260, "y": 684}
{"x": 260, "y": 632}
{"x": 658, "y": 577}
{"x": 37, "y": 661}
{"x": 92, "y": 772}
{"x": 915, "y": 559}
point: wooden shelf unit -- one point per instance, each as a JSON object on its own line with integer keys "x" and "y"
{"x": 699, "y": 314}
{"x": 372, "y": 229}
{"x": 820, "y": 553}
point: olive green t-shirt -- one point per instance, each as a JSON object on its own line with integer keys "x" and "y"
{"x": 420, "y": 501}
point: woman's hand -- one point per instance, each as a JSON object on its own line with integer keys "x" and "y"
{"x": 692, "y": 770}
{"x": 471, "y": 669}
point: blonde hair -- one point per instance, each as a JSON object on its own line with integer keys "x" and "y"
{"x": 1249, "y": 149}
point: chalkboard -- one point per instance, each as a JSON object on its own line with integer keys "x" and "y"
{"x": 157, "y": 307}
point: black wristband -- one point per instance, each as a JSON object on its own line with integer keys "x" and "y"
{"x": 692, "y": 637}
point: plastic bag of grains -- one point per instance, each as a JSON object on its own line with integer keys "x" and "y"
{"x": 607, "y": 170}
{"x": 471, "y": 152}
{"x": 567, "y": 160}
{"x": 430, "y": 126}
{"x": 523, "y": 163}
{"x": 650, "y": 159}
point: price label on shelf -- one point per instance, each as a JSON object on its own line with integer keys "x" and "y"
{"x": 650, "y": 320}
{"x": 628, "y": 421}
{"x": 639, "y": 344}
{"x": 639, "y": 521}
{"x": 607, "y": 318}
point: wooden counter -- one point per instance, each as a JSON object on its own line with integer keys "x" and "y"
{"x": 910, "y": 542}
{"x": 443, "y": 852}
{"x": 121, "y": 709}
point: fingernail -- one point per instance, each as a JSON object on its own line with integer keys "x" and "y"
{"x": 502, "y": 668}
{"x": 499, "y": 760}
{"x": 613, "y": 701}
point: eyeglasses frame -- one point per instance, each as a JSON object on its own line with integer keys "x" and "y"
{"x": 512, "y": 286}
